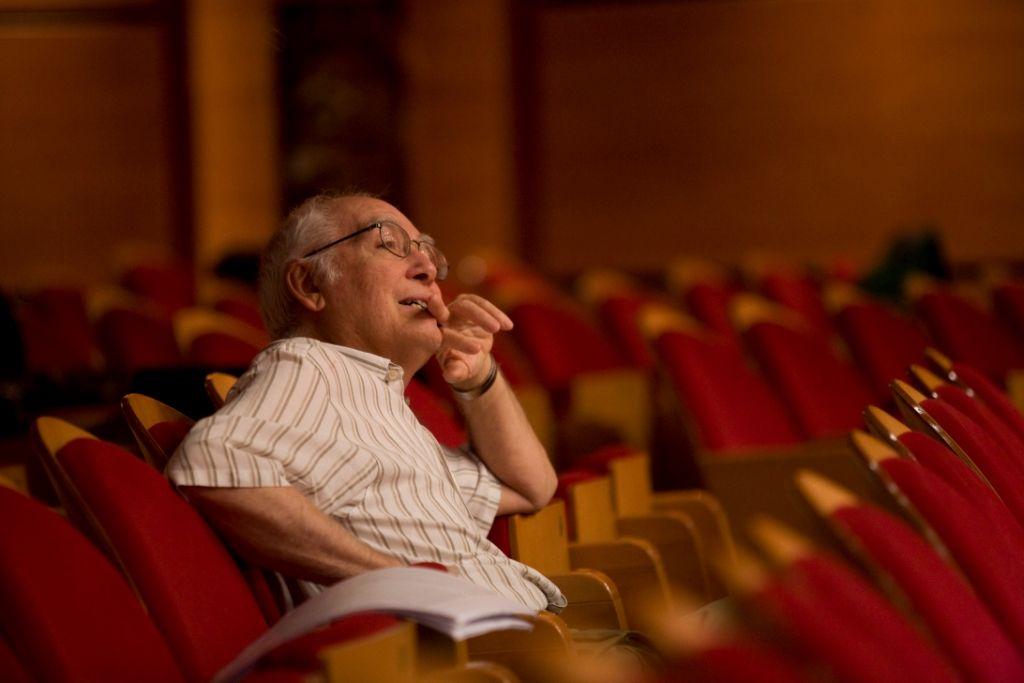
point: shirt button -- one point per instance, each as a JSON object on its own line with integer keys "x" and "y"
{"x": 392, "y": 374}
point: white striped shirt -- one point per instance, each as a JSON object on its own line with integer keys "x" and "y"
{"x": 333, "y": 422}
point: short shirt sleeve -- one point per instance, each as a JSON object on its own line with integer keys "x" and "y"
{"x": 479, "y": 487}
{"x": 277, "y": 430}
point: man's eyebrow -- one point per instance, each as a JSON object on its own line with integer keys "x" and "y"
{"x": 428, "y": 239}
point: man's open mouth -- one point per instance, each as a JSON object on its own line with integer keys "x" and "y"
{"x": 418, "y": 303}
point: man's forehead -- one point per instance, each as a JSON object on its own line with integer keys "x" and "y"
{"x": 359, "y": 212}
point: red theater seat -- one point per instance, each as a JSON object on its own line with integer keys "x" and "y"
{"x": 960, "y": 623}
{"x": 967, "y": 333}
{"x": 731, "y": 406}
{"x": 435, "y": 415}
{"x": 883, "y": 343}
{"x": 65, "y": 612}
{"x": 824, "y": 393}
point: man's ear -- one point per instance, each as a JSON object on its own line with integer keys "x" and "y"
{"x": 303, "y": 286}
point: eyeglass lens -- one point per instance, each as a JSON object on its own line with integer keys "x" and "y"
{"x": 396, "y": 240}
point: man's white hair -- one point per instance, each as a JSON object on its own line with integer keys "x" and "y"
{"x": 308, "y": 226}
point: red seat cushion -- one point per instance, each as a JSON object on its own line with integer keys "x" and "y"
{"x": 883, "y": 344}
{"x": 65, "y": 612}
{"x": 824, "y": 393}
{"x": 193, "y": 588}
{"x": 730, "y": 405}
{"x": 960, "y": 623}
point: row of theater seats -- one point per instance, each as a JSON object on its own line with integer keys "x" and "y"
{"x": 73, "y": 346}
{"x": 932, "y": 592}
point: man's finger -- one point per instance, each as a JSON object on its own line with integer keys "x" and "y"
{"x": 472, "y": 311}
{"x": 499, "y": 315}
{"x": 437, "y": 308}
{"x": 459, "y": 342}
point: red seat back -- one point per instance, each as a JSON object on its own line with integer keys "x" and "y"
{"x": 169, "y": 435}
{"x": 169, "y": 285}
{"x": 992, "y": 396}
{"x": 849, "y": 647}
{"x": 985, "y": 418}
{"x": 1008, "y": 299}
{"x": 993, "y": 563}
{"x": 1001, "y": 470}
{"x": 133, "y": 341}
{"x": 193, "y": 589}
{"x": 435, "y": 415}
{"x": 709, "y": 303}
{"x": 246, "y": 311}
{"x": 846, "y": 595}
{"x": 945, "y": 464}
{"x": 736, "y": 661}
{"x": 561, "y": 343}
{"x": 823, "y": 392}
{"x": 883, "y": 343}
{"x": 731, "y": 405}
{"x": 619, "y": 313}
{"x": 960, "y": 623}
{"x": 967, "y": 333}
{"x": 56, "y": 332}
{"x": 65, "y": 612}
{"x": 220, "y": 350}
{"x": 799, "y": 293}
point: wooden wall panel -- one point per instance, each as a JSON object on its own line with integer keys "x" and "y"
{"x": 236, "y": 182}
{"x": 805, "y": 128}
{"x": 85, "y": 165}
{"x": 459, "y": 127}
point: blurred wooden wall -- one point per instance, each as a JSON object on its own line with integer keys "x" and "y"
{"x": 805, "y": 128}
{"x": 579, "y": 133}
{"x": 88, "y": 135}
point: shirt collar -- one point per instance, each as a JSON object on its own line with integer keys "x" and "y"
{"x": 379, "y": 366}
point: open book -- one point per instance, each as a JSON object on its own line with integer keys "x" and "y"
{"x": 447, "y": 603}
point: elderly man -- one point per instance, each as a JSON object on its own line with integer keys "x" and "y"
{"x": 316, "y": 466}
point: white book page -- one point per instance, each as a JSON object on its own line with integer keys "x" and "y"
{"x": 448, "y": 603}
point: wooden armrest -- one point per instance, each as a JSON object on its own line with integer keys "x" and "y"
{"x": 530, "y": 654}
{"x": 594, "y": 600}
{"x": 707, "y": 514}
{"x": 386, "y": 656}
{"x": 472, "y": 672}
{"x": 682, "y": 551}
{"x": 637, "y": 570}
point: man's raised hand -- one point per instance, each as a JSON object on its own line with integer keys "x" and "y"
{"x": 468, "y": 326}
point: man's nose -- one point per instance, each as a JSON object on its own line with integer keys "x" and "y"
{"x": 423, "y": 266}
